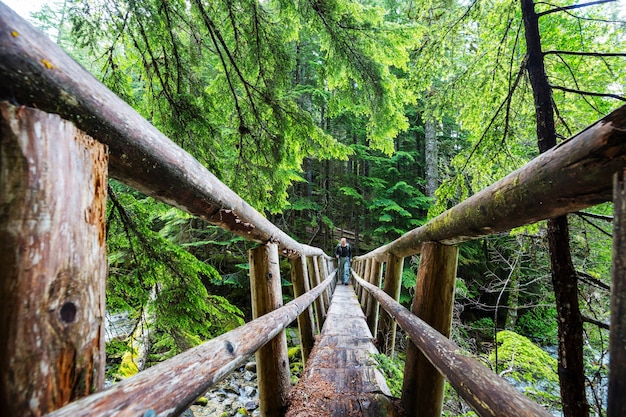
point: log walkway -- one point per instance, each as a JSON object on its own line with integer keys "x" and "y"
{"x": 341, "y": 378}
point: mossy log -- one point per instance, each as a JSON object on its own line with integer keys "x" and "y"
{"x": 572, "y": 176}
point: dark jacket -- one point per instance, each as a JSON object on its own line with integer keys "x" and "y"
{"x": 344, "y": 251}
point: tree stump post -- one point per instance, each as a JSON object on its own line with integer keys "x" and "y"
{"x": 372, "y": 305}
{"x": 423, "y": 385}
{"x": 53, "y": 181}
{"x": 272, "y": 359}
{"x": 617, "y": 339}
{"x": 387, "y": 325}
{"x": 300, "y": 281}
{"x": 320, "y": 310}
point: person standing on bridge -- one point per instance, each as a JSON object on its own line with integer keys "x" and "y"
{"x": 343, "y": 253}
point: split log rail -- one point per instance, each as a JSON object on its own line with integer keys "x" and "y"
{"x": 52, "y": 252}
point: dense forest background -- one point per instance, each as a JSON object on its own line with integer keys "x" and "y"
{"x": 363, "y": 119}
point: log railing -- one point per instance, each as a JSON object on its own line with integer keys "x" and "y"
{"x": 583, "y": 171}
{"x": 53, "y": 177}
{"x": 62, "y": 296}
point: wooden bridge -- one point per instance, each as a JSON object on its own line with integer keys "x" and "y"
{"x": 63, "y": 134}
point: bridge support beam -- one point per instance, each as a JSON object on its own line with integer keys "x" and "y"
{"x": 617, "y": 368}
{"x": 320, "y": 310}
{"x": 272, "y": 359}
{"x": 423, "y": 385}
{"x": 371, "y": 304}
{"x": 53, "y": 182}
{"x": 300, "y": 281}
{"x": 387, "y": 326}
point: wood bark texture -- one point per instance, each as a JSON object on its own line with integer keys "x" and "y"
{"x": 52, "y": 250}
{"x": 272, "y": 359}
{"x": 36, "y": 72}
{"x": 423, "y": 385}
{"x": 392, "y": 286}
{"x": 617, "y": 344}
{"x": 486, "y": 392}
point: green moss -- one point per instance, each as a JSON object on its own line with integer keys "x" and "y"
{"x": 203, "y": 401}
{"x": 393, "y": 370}
{"x": 127, "y": 367}
{"x": 523, "y": 361}
{"x": 526, "y": 361}
{"x": 294, "y": 353}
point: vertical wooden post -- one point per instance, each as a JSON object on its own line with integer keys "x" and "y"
{"x": 422, "y": 388}
{"x": 367, "y": 273}
{"x": 392, "y": 286}
{"x": 321, "y": 273}
{"x": 617, "y": 339}
{"x": 320, "y": 310}
{"x": 53, "y": 181}
{"x": 272, "y": 359}
{"x": 371, "y": 304}
{"x": 300, "y": 281}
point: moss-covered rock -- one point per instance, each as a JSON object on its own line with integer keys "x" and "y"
{"x": 522, "y": 361}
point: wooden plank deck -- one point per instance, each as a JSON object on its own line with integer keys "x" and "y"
{"x": 340, "y": 379}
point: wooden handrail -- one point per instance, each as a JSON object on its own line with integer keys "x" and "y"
{"x": 36, "y": 72}
{"x": 485, "y": 391}
{"x": 570, "y": 177}
{"x": 172, "y": 386}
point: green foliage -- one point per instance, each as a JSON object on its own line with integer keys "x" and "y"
{"x": 393, "y": 371}
{"x": 483, "y": 327}
{"x": 540, "y": 324}
{"x": 150, "y": 273}
{"x": 246, "y": 86}
{"x": 519, "y": 359}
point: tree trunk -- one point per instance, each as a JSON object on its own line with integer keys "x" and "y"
{"x": 564, "y": 280}
{"x": 431, "y": 156}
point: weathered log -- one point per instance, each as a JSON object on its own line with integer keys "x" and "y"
{"x": 36, "y": 72}
{"x": 617, "y": 343}
{"x": 170, "y": 387}
{"x": 272, "y": 359}
{"x": 342, "y": 379}
{"x": 485, "y": 391}
{"x": 572, "y": 176}
{"x": 392, "y": 286}
{"x": 423, "y": 385}
{"x": 53, "y": 256}
{"x": 300, "y": 282}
